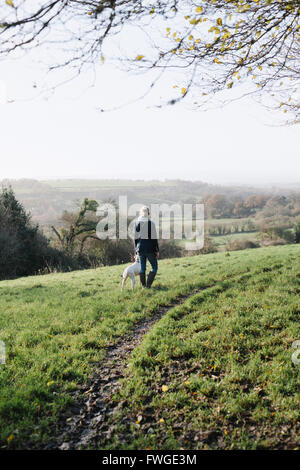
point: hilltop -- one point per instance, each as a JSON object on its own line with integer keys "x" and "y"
{"x": 213, "y": 368}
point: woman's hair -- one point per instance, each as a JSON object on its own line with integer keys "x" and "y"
{"x": 144, "y": 211}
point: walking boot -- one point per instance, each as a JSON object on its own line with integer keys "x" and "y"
{"x": 143, "y": 279}
{"x": 150, "y": 279}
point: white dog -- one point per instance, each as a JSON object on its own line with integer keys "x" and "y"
{"x": 132, "y": 271}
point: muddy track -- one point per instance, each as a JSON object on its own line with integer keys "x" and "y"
{"x": 88, "y": 423}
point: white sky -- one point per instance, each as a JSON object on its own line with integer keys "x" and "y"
{"x": 66, "y": 136}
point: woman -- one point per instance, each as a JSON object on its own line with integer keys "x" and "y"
{"x": 146, "y": 245}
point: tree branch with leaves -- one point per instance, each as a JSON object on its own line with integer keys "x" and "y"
{"x": 219, "y": 45}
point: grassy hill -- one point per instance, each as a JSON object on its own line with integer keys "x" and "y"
{"x": 214, "y": 372}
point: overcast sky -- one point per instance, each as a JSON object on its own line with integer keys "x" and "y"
{"x": 66, "y": 136}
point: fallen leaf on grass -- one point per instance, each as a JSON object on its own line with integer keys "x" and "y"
{"x": 10, "y": 438}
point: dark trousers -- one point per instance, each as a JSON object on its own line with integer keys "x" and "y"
{"x": 152, "y": 260}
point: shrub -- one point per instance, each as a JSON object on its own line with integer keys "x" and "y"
{"x": 108, "y": 252}
{"x": 297, "y": 232}
{"x": 169, "y": 249}
{"x": 24, "y": 250}
{"x": 241, "y": 244}
{"x": 209, "y": 247}
{"x": 275, "y": 232}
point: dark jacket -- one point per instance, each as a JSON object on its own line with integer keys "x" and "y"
{"x": 145, "y": 237}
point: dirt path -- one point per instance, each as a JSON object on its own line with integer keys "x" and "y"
{"x": 88, "y": 421}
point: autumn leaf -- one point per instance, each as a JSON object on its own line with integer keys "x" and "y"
{"x": 199, "y": 9}
{"x": 183, "y": 91}
{"x": 139, "y": 419}
{"x": 195, "y": 21}
{"x": 50, "y": 383}
{"x": 139, "y": 57}
{"x": 219, "y": 21}
{"x": 10, "y": 3}
{"x": 10, "y": 438}
{"x": 165, "y": 388}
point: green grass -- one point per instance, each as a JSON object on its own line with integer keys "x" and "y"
{"x": 225, "y": 358}
{"x": 56, "y": 328}
{"x": 223, "y": 240}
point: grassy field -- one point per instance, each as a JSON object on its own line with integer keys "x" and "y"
{"x": 223, "y": 240}
{"x": 214, "y": 372}
{"x": 86, "y": 184}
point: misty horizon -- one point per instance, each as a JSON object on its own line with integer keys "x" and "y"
{"x": 250, "y": 183}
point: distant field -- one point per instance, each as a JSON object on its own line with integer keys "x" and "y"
{"x": 222, "y": 240}
{"x": 224, "y": 355}
{"x": 88, "y": 184}
{"x": 229, "y": 221}
{"x": 46, "y": 200}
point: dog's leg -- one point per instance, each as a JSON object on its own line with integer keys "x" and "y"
{"x": 123, "y": 282}
{"x": 133, "y": 282}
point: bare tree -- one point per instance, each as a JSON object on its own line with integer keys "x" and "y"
{"x": 220, "y": 45}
